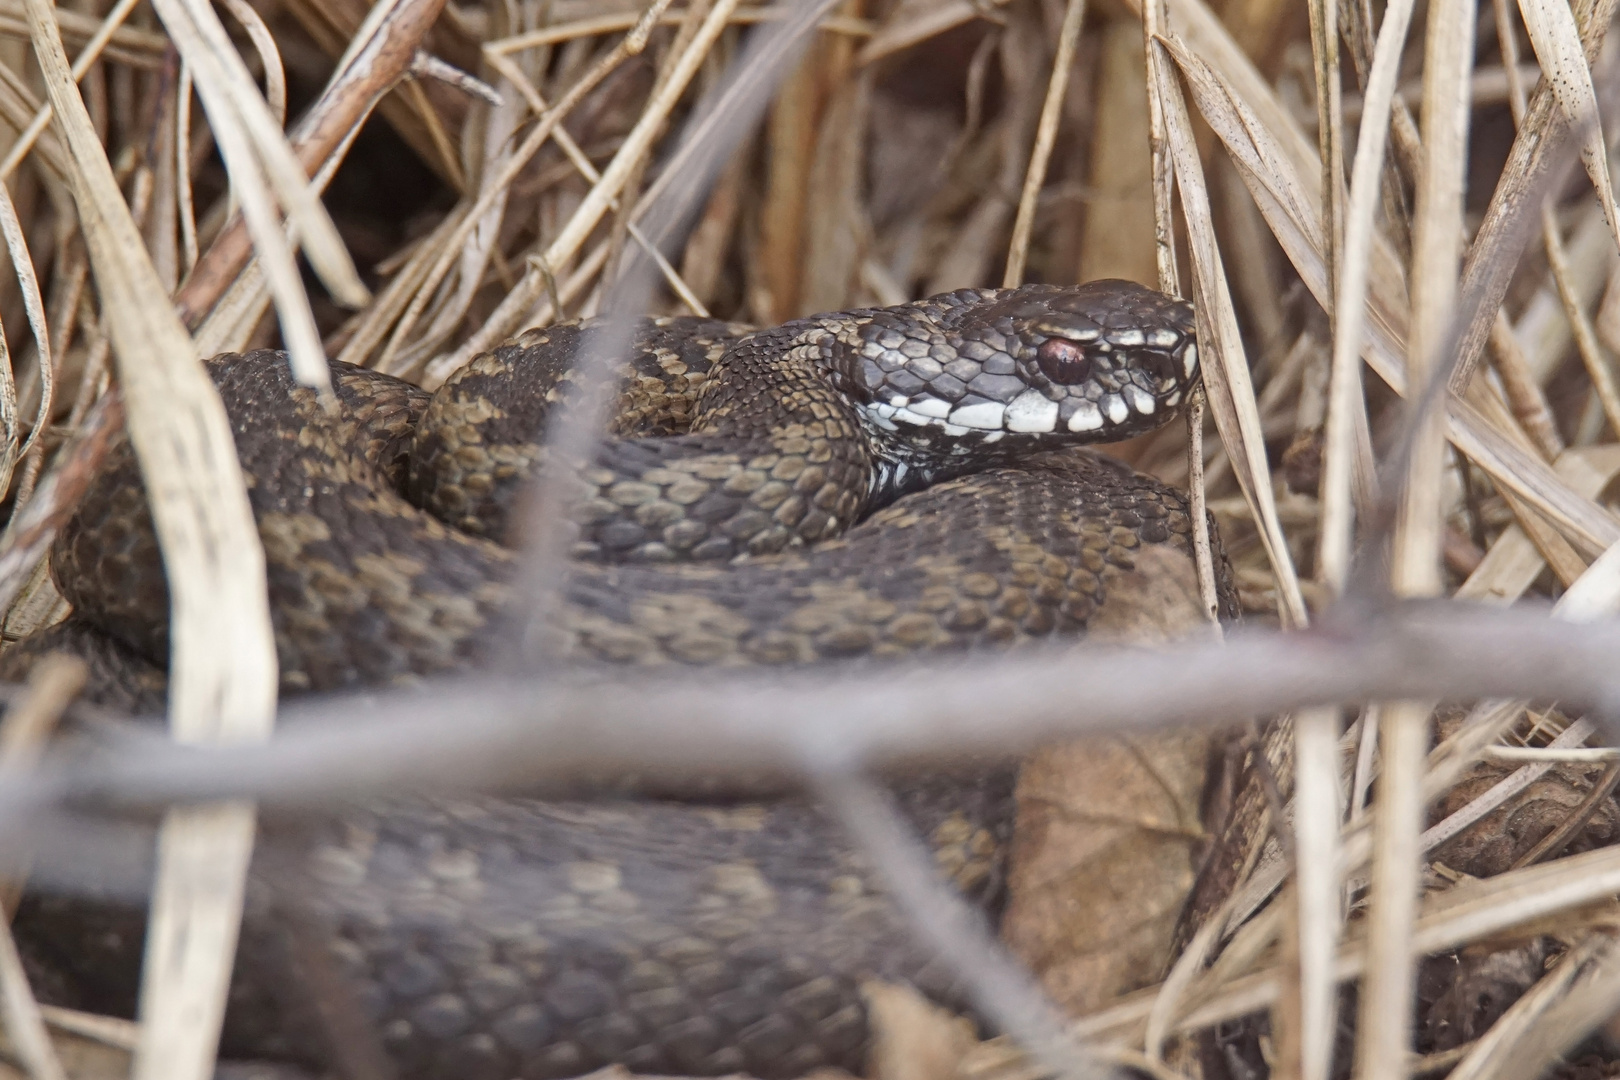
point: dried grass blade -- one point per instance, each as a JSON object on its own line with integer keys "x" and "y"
{"x": 847, "y": 25}
{"x": 1285, "y": 197}
{"x": 1317, "y": 818}
{"x": 914, "y": 23}
{"x": 1557, "y": 43}
{"x": 264, "y": 42}
{"x": 452, "y": 311}
{"x": 1513, "y": 562}
{"x": 1231, "y": 393}
{"x": 229, "y": 94}
{"x": 185, "y": 209}
{"x": 1598, "y": 367}
{"x": 106, "y": 1030}
{"x": 379, "y": 53}
{"x": 513, "y": 308}
{"x": 1289, "y": 151}
{"x": 224, "y": 669}
{"x": 1154, "y": 18}
{"x": 1045, "y": 135}
{"x": 1450, "y": 920}
{"x": 235, "y": 316}
{"x": 239, "y": 117}
{"x": 1594, "y": 596}
{"x": 384, "y": 311}
{"x": 87, "y": 56}
{"x": 1383, "y": 1035}
{"x": 1317, "y": 812}
{"x": 1522, "y": 392}
{"x": 1471, "y": 431}
{"x": 1171, "y": 997}
{"x": 500, "y": 126}
{"x": 1329, "y": 119}
{"x": 1506, "y": 788}
{"x": 1475, "y": 910}
{"x": 600, "y": 198}
{"x": 1350, "y": 310}
{"x": 1531, "y": 479}
{"x": 8, "y": 416}
{"x": 1288, "y": 203}
{"x": 34, "y": 305}
{"x": 1486, "y": 273}
{"x": 838, "y": 229}
{"x": 23, "y": 1024}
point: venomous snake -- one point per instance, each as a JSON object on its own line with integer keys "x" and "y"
{"x": 860, "y": 486}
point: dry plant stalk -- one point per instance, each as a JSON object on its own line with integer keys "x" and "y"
{"x": 224, "y": 661}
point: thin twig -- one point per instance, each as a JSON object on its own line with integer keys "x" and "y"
{"x": 1045, "y": 136}
{"x": 571, "y": 733}
{"x": 706, "y": 145}
{"x": 998, "y": 986}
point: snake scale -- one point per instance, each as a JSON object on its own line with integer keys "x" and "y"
{"x": 855, "y": 487}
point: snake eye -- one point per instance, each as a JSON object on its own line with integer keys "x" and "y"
{"x": 1063, "y": 361}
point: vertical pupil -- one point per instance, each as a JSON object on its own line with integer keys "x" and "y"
{"x": 1063, "y": 361}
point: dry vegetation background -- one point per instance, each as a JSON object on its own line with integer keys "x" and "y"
{"x": 504, "y": 180}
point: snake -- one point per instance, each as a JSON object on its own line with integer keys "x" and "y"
{"x": 856, "y": 488}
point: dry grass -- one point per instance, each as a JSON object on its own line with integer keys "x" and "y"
{"x": 920, "y": 146}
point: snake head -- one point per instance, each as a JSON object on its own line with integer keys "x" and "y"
{"x": 1086, "y": 363}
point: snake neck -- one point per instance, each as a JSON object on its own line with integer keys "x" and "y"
{"x": 902, "y": 468}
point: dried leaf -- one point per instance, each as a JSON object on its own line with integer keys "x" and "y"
{"x": 1108, "y": 829}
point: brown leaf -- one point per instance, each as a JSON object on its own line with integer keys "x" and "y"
{"x": 1494, "y": 843}
{"x": 1108, "y": 829}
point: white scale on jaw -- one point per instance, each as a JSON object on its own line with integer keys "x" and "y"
{"x": 922, "y": 413}
{"x": 1032, "y": 411}
{"x": 986, "y": 415}
{"x": 1086, "y": 417}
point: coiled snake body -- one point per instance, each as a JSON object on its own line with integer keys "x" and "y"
{"x": 866, "y": 484}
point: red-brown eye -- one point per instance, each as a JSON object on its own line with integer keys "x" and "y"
{"x": 1063, "y": 361}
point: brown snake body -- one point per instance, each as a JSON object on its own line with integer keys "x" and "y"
{"x": 863, "y": 486}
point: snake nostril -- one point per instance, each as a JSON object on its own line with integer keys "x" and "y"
{"x": 1162, "y": 367}
{"x": 1063, "y": 361}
